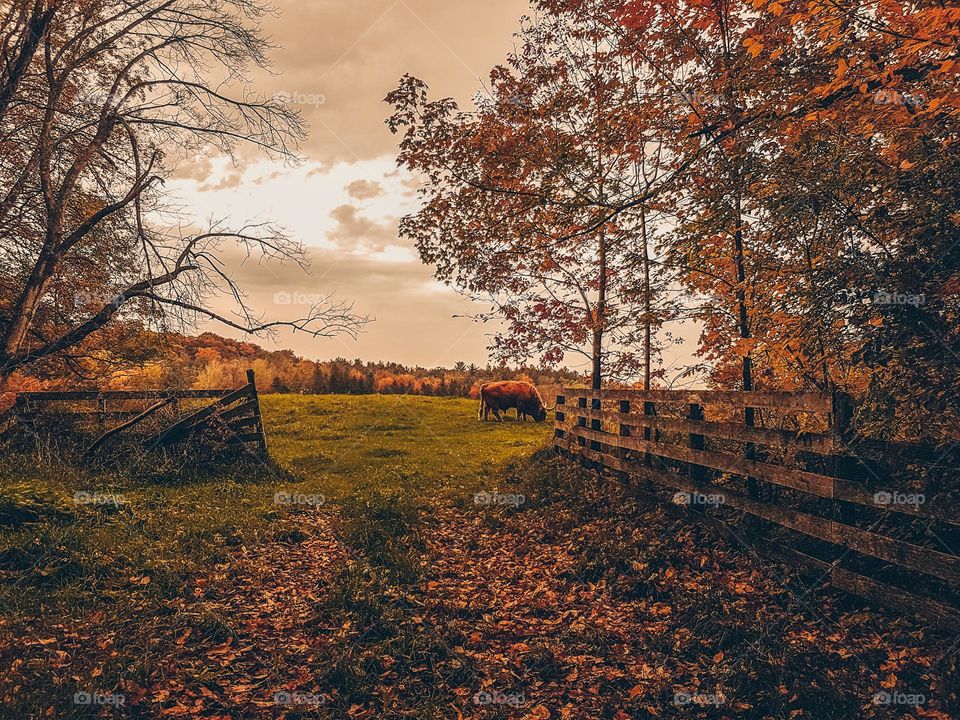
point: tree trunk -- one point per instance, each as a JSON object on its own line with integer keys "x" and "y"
{"x": 647, "y": 300}
{"x": 599, "y": 315}
{"x": 742, "y": 297}
{"x": 753, "y": 487}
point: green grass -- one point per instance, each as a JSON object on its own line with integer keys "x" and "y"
{"x": 381, "y": 461}
{"x": 62, "y": 555}
{"x": 334, "y": 443}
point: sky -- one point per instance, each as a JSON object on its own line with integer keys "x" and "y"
{"x": 336, "y": 61}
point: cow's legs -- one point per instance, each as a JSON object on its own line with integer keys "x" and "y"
{"x": 496, "y": 414}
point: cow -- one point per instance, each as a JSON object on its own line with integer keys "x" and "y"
{"x": 506, "y": 394}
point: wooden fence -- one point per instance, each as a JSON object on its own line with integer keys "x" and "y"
{"x": 34, "y": 413}
{"x": 787, "y": 465}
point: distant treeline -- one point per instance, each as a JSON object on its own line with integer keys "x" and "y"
{"x": 211, "y": 361}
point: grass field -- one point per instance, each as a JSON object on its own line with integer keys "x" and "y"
{"x": 433, "y": 445}
{"x": 384, "y": 591}
{"x": 124, "y": 559}
{"x": 323, "y": 446}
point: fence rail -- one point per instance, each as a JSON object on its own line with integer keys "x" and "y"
{"x": 239, "y": 408}
{"x": 801, "y": 481}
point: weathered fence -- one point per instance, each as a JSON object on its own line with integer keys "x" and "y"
{"x": 788, "y": 465}
{"x": 34, "y": 413}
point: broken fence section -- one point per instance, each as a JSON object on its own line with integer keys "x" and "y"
{"x": 112, "y": 414}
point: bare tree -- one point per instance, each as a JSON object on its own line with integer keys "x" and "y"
{"x": 99, "y": 101}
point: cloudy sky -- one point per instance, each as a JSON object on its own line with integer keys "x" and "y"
{"x": 338, "y": 60}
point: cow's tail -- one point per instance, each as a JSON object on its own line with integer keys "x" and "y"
{"x": 483, "y": 402}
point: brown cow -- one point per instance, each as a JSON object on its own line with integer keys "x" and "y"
{"x": 506, "y": 394}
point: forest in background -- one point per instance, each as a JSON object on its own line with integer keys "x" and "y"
{"x": 210, "y": 361}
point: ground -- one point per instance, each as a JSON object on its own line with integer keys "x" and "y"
{"x": 403, "y": 560}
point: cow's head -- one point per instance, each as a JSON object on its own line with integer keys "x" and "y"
{"x": 540, "y": 414}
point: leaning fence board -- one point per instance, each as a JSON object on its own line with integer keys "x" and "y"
{"x": 129, "y": 424}
{"x": 821, "y": 443}
{"x": 800, "y": 401}
{"x": 243, "y": 422}
{"x": 44, "y": 412}
{"x": 244, "y": 408}
{"x": 178, "y": 430}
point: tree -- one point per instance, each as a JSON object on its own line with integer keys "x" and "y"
{"x": 822, "y": 140}
{"x": 98, "y": 102}
{"x": 535, "y": 201}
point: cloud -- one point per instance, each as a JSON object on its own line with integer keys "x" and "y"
{"x": 414, "y": 317}
{"x": 199, "y": 169}
{"x": 228, "y": 180}
{"x": 356, "y": 232}
{"x": 364, "y": 189}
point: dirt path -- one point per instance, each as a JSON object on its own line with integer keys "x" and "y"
{"x": 544, "y": 613}
{"x": 575, "y": 606}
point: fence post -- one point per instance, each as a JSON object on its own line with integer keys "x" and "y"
{"x": 261, "y": 435}
{"x": 649, "y": 410}
{"x": 102, "y": 413}
{"x": 624, "y": 431}
{"x": 753, "y": 487}
{"x": 595, "y": 423}
{"x": 697, "y": 472}
{"x": 841, "y": 418}
{"x": 559, "y": 417}
{"x": 581, "y": 420}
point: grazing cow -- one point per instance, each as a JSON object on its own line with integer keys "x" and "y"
{"x": 506, "y": 394}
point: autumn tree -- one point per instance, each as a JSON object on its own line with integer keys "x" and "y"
{"x": 831, "y": 132}
{"x": 99, "y": 102}
{"x": 535, "y": 200}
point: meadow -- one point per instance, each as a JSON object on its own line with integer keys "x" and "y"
{"x": 356, "y": 577}
{"x": 119, "y": 545}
